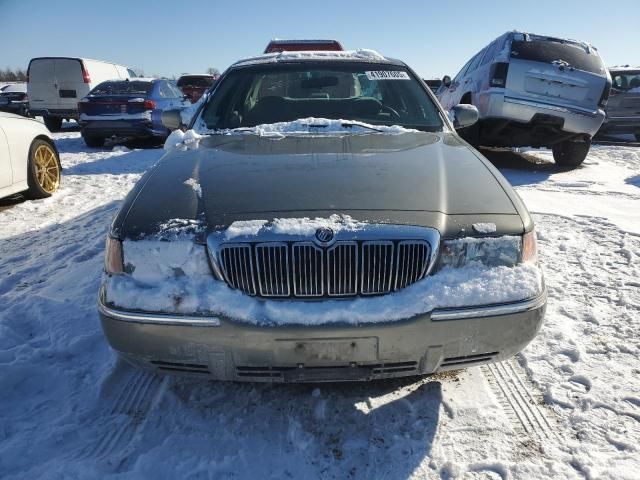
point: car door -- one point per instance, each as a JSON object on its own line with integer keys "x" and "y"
{"x": 6, "y": 172}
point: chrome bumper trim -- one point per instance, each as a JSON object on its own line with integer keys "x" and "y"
{"x": 546, "y": 106}
{"x": 158, "y": 318}
{"x": 436, "y": 315}
{"x": 489, "y": 310}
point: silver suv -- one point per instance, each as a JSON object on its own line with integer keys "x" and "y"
{"x": 532, "y": 90}
{"x": 623, "y": 108}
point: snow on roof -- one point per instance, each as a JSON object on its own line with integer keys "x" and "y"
{"x": 624, "y": 68}
{"x": 361, "y": 54}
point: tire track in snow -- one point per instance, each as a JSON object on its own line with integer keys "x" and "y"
{"x": 126, "y": 415}
{"x": 519, "y": 399}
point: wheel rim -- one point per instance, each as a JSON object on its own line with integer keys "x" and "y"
{"x": 47, "y": 168}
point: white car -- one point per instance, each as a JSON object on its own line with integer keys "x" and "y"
{"x": 29, "y": 160}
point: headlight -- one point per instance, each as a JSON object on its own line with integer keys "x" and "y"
{"x": 113, "y": 257}
{"x": 491, "y": 252}
{"x": 530, "y": 247}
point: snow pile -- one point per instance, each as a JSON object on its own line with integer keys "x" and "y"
{"x": 311, "y": 125}
{"x": 159, "y": 281}
{"x": 292, "y": 226}
{"x": 189, "y": 140}
{"x": 193, "y": 183}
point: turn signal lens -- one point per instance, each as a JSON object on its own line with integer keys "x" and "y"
{"x": 113, "y": 257}
{"x": 529, "y": 247}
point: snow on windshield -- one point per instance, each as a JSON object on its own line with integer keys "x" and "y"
{"x": 314, "y": 126}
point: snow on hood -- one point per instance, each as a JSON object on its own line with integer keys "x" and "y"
{"x": 175, "y": 277}
{"x": 292, "y": 226}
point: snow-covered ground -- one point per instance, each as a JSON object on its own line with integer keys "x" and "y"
{"x": 567, "y": 407}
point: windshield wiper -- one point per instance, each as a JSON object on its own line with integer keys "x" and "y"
{"x": 360, "y": 124}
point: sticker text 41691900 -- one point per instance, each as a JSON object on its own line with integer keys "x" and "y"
{"x": 388, "y": 75}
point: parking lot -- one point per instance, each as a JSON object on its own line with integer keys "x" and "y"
{"x": 566, "y": 407}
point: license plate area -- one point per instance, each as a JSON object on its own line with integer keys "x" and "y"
{"x": 325, "y": 351}
{"x": 327, "y": 374}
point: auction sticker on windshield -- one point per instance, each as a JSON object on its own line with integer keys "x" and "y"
{"x": 388, "y": 75}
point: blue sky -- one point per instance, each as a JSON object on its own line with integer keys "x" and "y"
{"x": 170, "y": 38}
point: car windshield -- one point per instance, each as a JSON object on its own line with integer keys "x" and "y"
{"x": 371, "y": 93}
{"x": 626, "y": 80}
{"x": 199, "y": 82}
{"x": 132, "y": 87}
{"x": 552, "y": 51}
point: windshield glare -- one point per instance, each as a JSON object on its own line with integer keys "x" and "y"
{"x": 370, "y": 93}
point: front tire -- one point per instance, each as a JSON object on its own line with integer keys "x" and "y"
{"x": 44, "y": 169}
{"x": 570, "y": 154}
{"x": 93, "y": 142}
{"x": 54, "y": 124}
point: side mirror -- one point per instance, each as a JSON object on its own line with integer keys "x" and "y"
{"x": 446, "y": 81}
{"x": 171, "y": 119}
{"x": 464, "y": 115}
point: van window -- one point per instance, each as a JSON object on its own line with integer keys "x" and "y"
{"x": 68, "y": 70}
{"x": 551, "y": 51}
{"x": 131, "y": 73}
{"x": 41, "y": 70}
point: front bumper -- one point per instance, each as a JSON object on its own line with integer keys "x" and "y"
{"x": 223, "y": 349}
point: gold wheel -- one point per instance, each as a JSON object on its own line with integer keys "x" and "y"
{"x": 47, "y": 169}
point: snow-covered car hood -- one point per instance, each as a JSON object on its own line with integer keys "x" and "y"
{"x": 419, "y": 178}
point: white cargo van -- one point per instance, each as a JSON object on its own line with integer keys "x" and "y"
{"x": 56, "y": 84}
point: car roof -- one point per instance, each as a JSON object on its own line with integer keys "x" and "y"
{"x": 196, "y": 75}
{"x": 624, "y": 68}
{"x": 360, "y": 55}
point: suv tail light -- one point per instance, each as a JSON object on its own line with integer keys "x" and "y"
{"x": 499, "y": 73}
{"x": 605, "y": 94}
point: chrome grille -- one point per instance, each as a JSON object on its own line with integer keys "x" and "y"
{"x": 342, "y": 269}
{"x": 308, "y": 274}
{"x": 305, "y": 270}
{"x": 412, "y": 261}
{"x": 377, "y": 266}
{"x": 237, "y": 265}
{"x": 272, "y": 260}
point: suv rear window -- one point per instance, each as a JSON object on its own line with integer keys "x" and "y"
{"x": 203, "y": 82}
{"x": 549, "y": 51}
{"x": 131, "y": 87}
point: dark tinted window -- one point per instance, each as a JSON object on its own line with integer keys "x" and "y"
{"x": 475, "y": 61}
{"x": 548, "y": 51}
{"x": 132, "y": 87}
{"x": 375, "y": 94}
{"x": 490, "y": 53}
{"x": 201, "y": 82}
{"x": 626, "y": 80}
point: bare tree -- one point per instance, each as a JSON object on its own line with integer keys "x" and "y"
{"x": 213, "y": 71}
